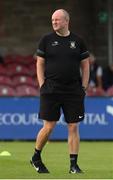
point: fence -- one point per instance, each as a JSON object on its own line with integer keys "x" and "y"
{"x": 19, "y": 119}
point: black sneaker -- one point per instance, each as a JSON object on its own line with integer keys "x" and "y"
{"x": 39, "y": 166}
{"x": 75, "y": 169}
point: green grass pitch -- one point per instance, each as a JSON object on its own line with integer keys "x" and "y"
{"x": 95, "y": 158}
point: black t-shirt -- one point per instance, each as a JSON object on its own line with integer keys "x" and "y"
{"x": 62, "y": 57}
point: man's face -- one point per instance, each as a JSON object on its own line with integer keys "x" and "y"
{"x": 59, "y": 21}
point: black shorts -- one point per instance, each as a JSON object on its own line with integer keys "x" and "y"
{"x": 72, "y": 106}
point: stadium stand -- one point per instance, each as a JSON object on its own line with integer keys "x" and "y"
{"x": 16, "y": 68}
{"x": 26, "y": 90}
{"x": 6, "y": 90}
{"x": 18, "y": 59}
{"x": 24, "y": 80}
{"x": 3, "y": 70}
{"x": 9, "y": 59}
{"x": 95, "y": 91}
{"x": 28, "y": 59}
{"x": 6, "y": 80}
{"x": 32, "y": 69}
{"x": 18, "y": 78}
{"x": 109, "y": 91}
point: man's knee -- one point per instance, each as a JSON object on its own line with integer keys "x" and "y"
{"x": 49, "y": 126}
{"x": 72, "y": 127}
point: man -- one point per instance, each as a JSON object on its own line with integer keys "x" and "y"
{"x": 108, "y": 77}
{"x": 95, "y": 73}
{"x": 59, "y": 58}
{"x": 95, "y": 87}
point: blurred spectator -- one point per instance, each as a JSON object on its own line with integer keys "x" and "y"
{"x": 95, "y": 73}
{"x": 108, "y": 77}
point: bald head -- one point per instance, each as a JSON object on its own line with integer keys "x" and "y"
{"x": 60, "y": 21}
{"x": 63, "y": 13}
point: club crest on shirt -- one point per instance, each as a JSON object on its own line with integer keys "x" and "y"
{"x": 55, "y": 43}
{"x": 72, "y": 45}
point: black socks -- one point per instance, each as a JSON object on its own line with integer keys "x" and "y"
{"x": 73, "y": 159}
{"x": 37, "y": 155}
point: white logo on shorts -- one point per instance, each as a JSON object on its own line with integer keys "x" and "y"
{"x": 80, "y": 117}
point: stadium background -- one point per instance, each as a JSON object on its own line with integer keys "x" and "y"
{"x": 22, "y": 24}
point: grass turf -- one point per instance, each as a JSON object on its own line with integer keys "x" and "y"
{"x": 95, "y": 158}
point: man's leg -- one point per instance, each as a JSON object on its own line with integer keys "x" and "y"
{"x": 73, "y": 138}
{"x": 41, "y": 140}
{"x": 44, "y": 133}
{"x": 73, "y": 142}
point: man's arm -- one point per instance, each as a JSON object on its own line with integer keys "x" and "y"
{"x": 40, "y": 66}
{"x": 99, "y": 77}
{"x": 85, "y": 72}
